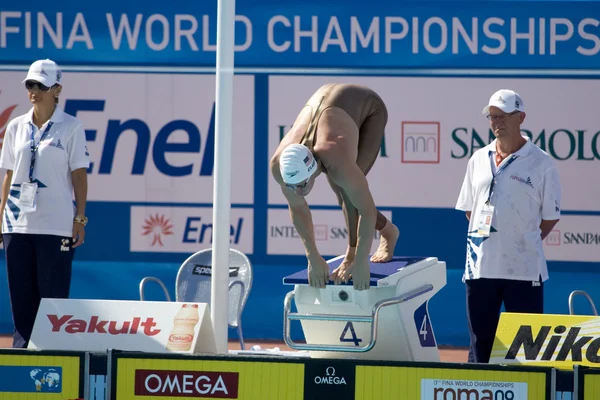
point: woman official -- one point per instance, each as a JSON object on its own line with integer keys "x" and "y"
{"x": 46, "y": 159}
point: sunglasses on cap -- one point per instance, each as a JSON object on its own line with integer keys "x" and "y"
{"x": 30, "y": 85}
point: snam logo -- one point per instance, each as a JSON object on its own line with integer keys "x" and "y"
{"x": 420, "y": 142}
{"x": 4, "y": 120}
{"x": 157, "y": 226}
{"x": 553, "y": 238}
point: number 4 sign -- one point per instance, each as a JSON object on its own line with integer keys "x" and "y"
{"x": 353, "y": 338}
{"x": 423, "y": 326}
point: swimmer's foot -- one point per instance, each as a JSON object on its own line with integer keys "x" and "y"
{"x": 387, "y": 243}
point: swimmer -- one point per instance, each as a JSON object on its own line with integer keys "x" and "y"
{"x": 338, "y": 133}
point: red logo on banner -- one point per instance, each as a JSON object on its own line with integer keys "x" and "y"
{"x": 158, "y": 226}
{"x": 4, "y": 119}
{"x": 97, "y": 325}
{"x": 212, "y": 385}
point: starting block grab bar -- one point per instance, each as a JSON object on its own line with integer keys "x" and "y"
{"x": 373, "y": 319}
{"x": 583, "y": 293}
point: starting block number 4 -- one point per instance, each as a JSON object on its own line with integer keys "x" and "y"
{"x": 353, "y": 338}
{"x": 423, "y": 325}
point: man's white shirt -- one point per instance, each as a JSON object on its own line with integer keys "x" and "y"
{"x": 62, "y": 151}
{"x": 526, "y": 191}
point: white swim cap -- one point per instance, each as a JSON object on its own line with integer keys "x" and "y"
{"x": 296, "y": 164}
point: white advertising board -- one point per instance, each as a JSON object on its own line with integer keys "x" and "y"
{"x": 151, "y": 136}
{"x": 330, "y": 230}
{"x": 456, "y": 388}
{"x": 99, "y": 325}
{"x": 575, "y": 238}
{"x": 435, "y": 124}
{"x": 186, "y": 229}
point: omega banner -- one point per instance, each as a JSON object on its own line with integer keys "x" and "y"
{"x": 142, "y": 376}
{"x": 170, "y": 376}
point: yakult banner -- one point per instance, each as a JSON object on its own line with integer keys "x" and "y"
{"x": 392, "y": 34}
{"x": 435, "y": 125}
{"x": 575, "y": 238}
{"x": 151, "y": 137}
{"x": 331, "y": 234}
{"x": 99, "y": 325}
{"x": 186, "y": 229}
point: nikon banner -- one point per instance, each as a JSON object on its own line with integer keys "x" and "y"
{"x": 559, "y": 341}
{"x": 50, "y": 375}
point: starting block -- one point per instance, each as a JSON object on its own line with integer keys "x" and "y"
{"x": 390, "y": 321}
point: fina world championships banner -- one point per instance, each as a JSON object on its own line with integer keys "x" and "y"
{"x": 335, "y": 34}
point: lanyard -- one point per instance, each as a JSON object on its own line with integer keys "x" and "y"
{"x": 34, "y": 148}
{"x": 493, "y": 183}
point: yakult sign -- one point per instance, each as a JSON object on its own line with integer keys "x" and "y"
{"x": 99, "y": 325}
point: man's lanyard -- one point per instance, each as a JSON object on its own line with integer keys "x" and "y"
{"x": 494, "y": 175}
{"x": 34, "y": 148}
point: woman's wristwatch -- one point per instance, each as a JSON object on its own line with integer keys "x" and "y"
{"x": 80, "y": 219}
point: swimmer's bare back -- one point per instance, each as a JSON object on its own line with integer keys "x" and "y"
{"x": 352, "y": 120}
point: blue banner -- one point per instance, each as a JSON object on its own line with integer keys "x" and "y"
{"x": 335, "y": 34}
{"x": 30, "y": 379}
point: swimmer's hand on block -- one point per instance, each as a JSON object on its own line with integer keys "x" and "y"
{"x": 318, "y": 271}
{"x": 359, "y": 269}
{"x": 351, "y": 267}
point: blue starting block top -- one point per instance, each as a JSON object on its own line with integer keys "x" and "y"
{"x": 378, "y": 270}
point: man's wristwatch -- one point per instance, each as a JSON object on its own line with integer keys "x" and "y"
{"x": 80, "y": 219}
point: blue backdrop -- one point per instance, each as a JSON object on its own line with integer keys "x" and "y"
{"x": 423, "y": 38}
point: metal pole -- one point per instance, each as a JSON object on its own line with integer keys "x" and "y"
{"x": 222, "y": 173}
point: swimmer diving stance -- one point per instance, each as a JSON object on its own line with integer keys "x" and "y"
{"x": 339, "y": 133}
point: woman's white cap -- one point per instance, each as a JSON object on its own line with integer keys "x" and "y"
{"x": 45, "y": 72}
{"x": 296, "y": 164}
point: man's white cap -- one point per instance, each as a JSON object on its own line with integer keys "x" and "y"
{"x": 45, "y": 72}
{"x": 296, "y": 163}
{"x": 506, "y": 100}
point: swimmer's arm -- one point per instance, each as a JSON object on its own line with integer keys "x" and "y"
{"x": 299, "y": 212}
{"x": 354, "y": 183}
{"x": 302, "y": 220}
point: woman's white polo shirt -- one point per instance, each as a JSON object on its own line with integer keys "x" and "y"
{"x": 62, "y": 151}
